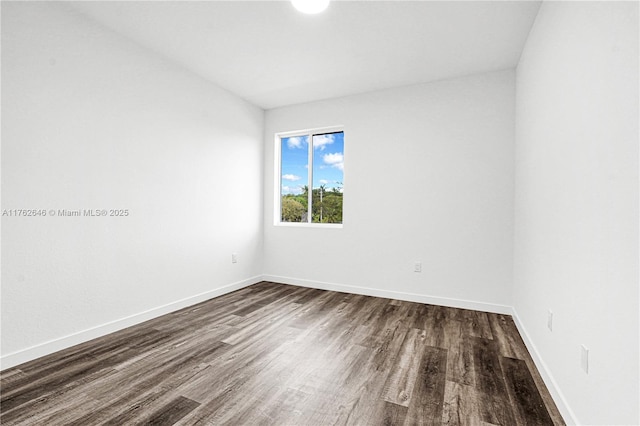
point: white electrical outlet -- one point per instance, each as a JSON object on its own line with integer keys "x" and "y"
{"x": 417, "y": 267}
{"x": 550, "y": 320}
{"x": 234, "y": 257}
{"x": 584, "y": 358}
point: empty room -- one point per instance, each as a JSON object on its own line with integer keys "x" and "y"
{"x": 316, "y": 212}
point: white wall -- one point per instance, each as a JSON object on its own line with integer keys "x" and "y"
{"x": 92, "y": 121}
{"x": 576, "y": 232}
{"x": 428, "y": 177}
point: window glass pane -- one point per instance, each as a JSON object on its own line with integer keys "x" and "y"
{"x": 294, "y": 178}
{"x": 328, "y": 172}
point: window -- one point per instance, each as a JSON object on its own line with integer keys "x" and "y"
{"x": 313, "y": 159}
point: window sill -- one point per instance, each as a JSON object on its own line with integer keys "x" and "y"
{"x": 309, "y": 225}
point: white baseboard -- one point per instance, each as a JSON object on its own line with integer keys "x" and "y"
{"x": 558, "y": 397}
{"x": 46, "y": 348}
{"x": 388, "y": 294}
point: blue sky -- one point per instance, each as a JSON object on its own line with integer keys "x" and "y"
{"x": 328, "y": 162}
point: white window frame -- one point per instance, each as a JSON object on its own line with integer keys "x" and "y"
{"x": 278, "y": 178}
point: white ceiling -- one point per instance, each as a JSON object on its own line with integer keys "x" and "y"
{"x": 272, "y": 55}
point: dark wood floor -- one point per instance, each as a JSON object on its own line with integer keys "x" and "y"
{"x": 283, "y": 355}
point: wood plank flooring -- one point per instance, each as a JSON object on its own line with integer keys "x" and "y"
{"x": 274, "y": 354}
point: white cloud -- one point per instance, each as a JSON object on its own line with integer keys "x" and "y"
{"x": 291, "y": 178}
{"x": 334, "y": 160}
{"x": 291, "y": 190}
{"x": 320, "y": 141}
{"x": 295, "y": 142}
{"x": 323, "y": 181}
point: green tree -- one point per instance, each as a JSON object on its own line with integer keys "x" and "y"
{"x": 327, "y": 205}
{"x": 292, "y": 210}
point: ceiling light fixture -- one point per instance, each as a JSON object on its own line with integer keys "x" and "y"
{"x": 310, "y": 6}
